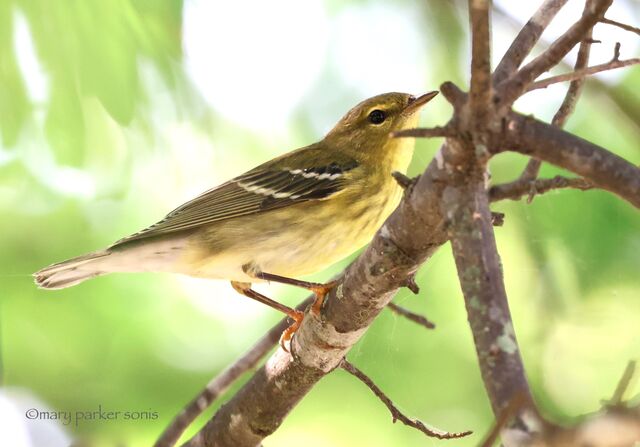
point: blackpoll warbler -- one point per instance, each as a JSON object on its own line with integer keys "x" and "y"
{"x": 294, "y": 215}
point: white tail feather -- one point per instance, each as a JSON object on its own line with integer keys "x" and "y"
{"x": 71, "y": 272}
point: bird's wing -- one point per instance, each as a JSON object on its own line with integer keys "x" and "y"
{"x": 262, "y": 189}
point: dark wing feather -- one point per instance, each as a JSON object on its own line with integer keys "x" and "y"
{"x": 262, "y": 189}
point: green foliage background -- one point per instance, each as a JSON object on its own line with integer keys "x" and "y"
{"x": 142, "y": 343}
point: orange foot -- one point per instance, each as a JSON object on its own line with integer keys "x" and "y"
{"x": 320, "y": 290}
{"x": 287, "y": 335}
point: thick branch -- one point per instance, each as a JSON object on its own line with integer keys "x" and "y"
{"x": 221, "y": 383}
{"x": 512, "y": 88}
{"x": 548, "y": 143}
{"x": 526, "y": 39}
{"x": 410, "y": 235}
{"x": 466, "y": 208}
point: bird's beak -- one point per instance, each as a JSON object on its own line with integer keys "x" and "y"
{"x": 416, "y": 103}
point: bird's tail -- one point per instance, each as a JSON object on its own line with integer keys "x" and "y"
{"x": 72, "y": 271}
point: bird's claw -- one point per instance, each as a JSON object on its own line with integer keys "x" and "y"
{"x": 320, "y": 291}
{"x": 288, "y": 333}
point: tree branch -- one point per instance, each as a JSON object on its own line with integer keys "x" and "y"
{"x": 396, "y": 414}
{"x": 221, "y": 383}
{"x": 419, "y": 319}
{"x": 480, "y": 91}
{"x": 532, "y": 169}
{"x": 546, "y": 142}
{"x": 433, "y": 132}
{"x": 618, "y": 96}
{"x": 624, "y": 26}
{"x": 526, "y": 39}
{"x": 466, "y": 207}
{"x": 513, "y": 87}
{"x": 617, "y": 399}
{"x": 518, "y": 189}
{"x": 575, "y": 88}
{"x": 581, "y": 74}
{"x": 503, "y": 420}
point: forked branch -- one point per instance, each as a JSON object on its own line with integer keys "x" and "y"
{"x": 512, "y": 88}
{"x": 569, "y": 102}
{"x": 526, "y": 39}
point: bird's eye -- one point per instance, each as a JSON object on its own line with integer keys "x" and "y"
{"x": 377, "y": 116}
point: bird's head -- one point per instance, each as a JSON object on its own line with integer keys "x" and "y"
{"x": 367, "y": 126}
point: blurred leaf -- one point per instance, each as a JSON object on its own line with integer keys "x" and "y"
{"x": 14, "y": 105}
{"x": 64, "y": 125}
{"x": 88, "y": 49}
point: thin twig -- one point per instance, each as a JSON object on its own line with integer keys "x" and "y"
{"x": 618, "y": 396}
{"x": 411, "y": 284}
{"x": 432, "y": 132}
{"x": 518, "y": 189}
{"x": 575, "y": 88}
{"x": 396, "y": 414}
{"x": 526, "y": 39}
{"x": 416, "y": 318}
{"x": 402, "y": 180}
{"x": 624, "y": 26}
{"x": 580, "y": 74}
{"x": 530, "y": 173}
{"x": 221, "y": 383}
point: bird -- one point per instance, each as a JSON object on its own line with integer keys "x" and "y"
{"x": 294, "y": 215}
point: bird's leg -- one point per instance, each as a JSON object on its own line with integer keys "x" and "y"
{"x": 320, "y": 290}
{"x": 245, "y": 289}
